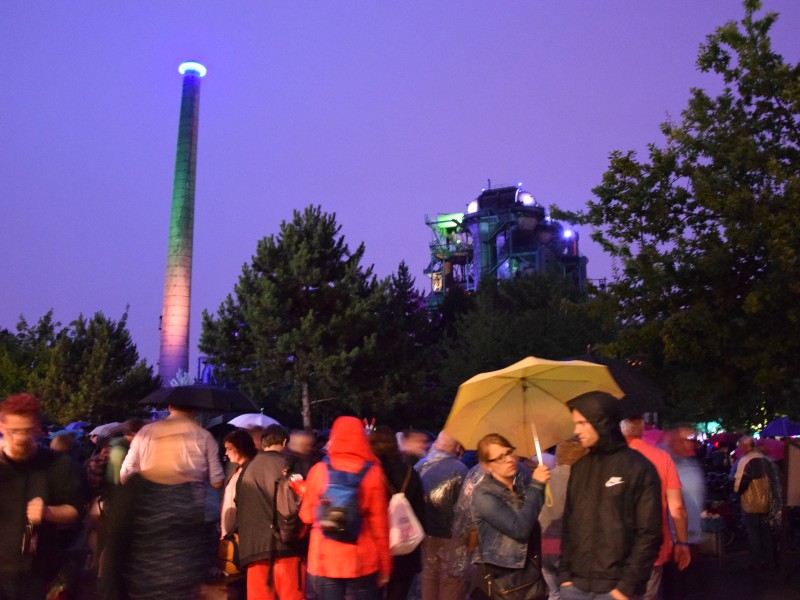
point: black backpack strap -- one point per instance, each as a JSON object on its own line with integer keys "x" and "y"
{"x": 272, "y": 542}
{"x": 364, "y": 470}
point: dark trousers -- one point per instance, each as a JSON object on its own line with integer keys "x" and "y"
{"x": 357, "y": 588}
{"x": 397, "y": 589}
{"x": 759, "y": 539}
{"x": 21, "y": 587}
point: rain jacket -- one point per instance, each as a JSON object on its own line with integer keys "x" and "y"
{"x": 612, "y": 517}
{"x": 348, "y": 449}
{"x": 442, "y": 475}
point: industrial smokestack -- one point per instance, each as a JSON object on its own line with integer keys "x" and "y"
{"x": 174, "y": 353}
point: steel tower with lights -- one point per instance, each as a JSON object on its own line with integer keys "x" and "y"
{"x": 504, "y": 233}
{"x": 174, "y": 352}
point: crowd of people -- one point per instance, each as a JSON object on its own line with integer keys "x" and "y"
{"x": 140, "y": 514}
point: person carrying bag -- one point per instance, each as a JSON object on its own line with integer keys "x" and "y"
{"x": 506, "y": 508}
{"x": 405, "y": 530}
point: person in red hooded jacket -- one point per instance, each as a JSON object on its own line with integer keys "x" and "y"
{"x": 361, "y": 568}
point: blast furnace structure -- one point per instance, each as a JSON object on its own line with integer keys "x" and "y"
{"x": 504, "y": 233}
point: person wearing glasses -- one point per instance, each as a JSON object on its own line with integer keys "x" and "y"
{"x": 40, "y": 494}
{"x": 506, "y": 510}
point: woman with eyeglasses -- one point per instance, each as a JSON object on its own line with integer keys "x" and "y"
{"x": 506, "y": 510}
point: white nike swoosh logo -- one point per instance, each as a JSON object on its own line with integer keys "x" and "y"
{"x": 614, "y": 481}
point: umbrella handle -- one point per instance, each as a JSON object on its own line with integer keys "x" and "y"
{"x": 536, "y": 443}
{"x": 548, "y": 495}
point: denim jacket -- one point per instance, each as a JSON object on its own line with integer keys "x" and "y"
{"x": 505, "y": 520}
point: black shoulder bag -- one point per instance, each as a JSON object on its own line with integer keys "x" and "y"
{"x": 502, "y": 583}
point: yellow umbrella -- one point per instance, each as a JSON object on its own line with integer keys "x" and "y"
{"x": 525, "y": 401}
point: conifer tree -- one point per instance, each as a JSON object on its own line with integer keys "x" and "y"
{"x": 94, "y": 373}
{"x": 301, "y": 316}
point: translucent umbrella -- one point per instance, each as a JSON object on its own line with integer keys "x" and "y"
{"x": 107, "y": 430}
{"x": 252, "y": 420}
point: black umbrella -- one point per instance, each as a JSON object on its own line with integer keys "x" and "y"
{"x": 203, "y": 397}
{"x": 642, "y": 395}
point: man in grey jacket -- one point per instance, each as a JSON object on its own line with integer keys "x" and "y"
{"x": 442, "y": 474}
{"x": 612, "y": 517}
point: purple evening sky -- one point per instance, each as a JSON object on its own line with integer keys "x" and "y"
{"x": 382, "y": 112}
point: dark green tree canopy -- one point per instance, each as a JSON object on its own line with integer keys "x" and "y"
{"x": 94, "y": 373}
{"x": 707, "y": 236}
{"x": 300, "y": 318}
{"x": 25, "y": 355}
{"x": 390, "y": 382}
{"x": 542, "y": 315}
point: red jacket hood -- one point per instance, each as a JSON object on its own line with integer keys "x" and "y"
{"x": 349, "y": 438}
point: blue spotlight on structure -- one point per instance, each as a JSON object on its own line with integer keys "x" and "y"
{"x": 191, "y": 65}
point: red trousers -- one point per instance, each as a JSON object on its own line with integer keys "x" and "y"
{"x": 289, "y": 579}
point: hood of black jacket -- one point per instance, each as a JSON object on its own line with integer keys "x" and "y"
{"x": 602, "y": 411}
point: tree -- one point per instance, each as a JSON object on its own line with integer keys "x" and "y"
{"x": 707, "y": 236}
{"x": 541, "y": 315}
{"x": 390, "y": 382}
{"x": 301, "y": 317}
{"x": 25, "y": 356}
{"x": 94, "y": 373}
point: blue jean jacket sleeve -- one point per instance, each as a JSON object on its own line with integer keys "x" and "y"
{"x": 516, "y": 522}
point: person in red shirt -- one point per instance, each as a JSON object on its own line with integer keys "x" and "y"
{"x": 671, "y": 501}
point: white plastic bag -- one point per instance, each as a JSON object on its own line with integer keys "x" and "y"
{"x": 405, "y": 530}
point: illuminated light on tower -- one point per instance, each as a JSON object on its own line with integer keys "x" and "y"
{"x": 572, "y": 242}
{"x": 174, "y": 353}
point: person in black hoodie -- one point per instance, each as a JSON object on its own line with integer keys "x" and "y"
{"x": 612, "y": 517}
{"x": 399, "y": 476}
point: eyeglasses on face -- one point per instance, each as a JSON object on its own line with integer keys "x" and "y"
{"x": 503, "y": 457}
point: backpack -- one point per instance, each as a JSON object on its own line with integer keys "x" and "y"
{"x": 405, "y": 530}
{"x": 338, "y": 514}
{"x": 228, "y": 554}
{"x": 286, "y": 524}
{"x": 757, "y": 498}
